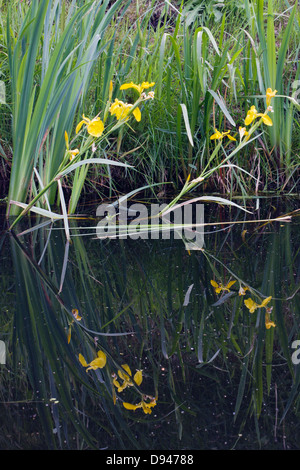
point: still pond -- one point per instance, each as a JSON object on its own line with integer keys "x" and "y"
{"x": 144, "y": 344}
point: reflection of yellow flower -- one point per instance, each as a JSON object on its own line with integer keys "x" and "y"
{"x": 98, "y": 363}
{"x": 95, "y": 127}
{"x": 219, "y": 135}
{"x": 269, "y": 95}
{"x": 242, "y": 290}
{"x": 127, "y": 378}
{"x": 252, "y": 305}
{"x": 139, "y": 88}
{"x": 146, "y": 406}
{"x": 220, "y": 287}
{"x": 121, "y": 110}
{"x": 76, "y": 314}
{"x": 268, "y": 322}
{"x": 78, "y": 318}
{"x": 252, "y": 114}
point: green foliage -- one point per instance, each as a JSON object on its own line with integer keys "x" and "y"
{"x": 210, "y": 63}
{"x": 150, "y": 304}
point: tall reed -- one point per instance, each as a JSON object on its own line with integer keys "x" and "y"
{"x": 46, "y": 96}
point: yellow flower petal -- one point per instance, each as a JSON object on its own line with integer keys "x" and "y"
{"x": 251, "y": 305}
{"x": 139, "y": 88}
{"x": 99, "y": 362}
{"x": 69, "y": 334}
{"x": 67, "y": 139}
{"x": 110, "y": 91}
{"x": 116, "y": 383}
{"x": 130, "y": 406}
{"x": 248, "y": 120}
{"x": 79, "y": 126}
{"x": 82, "y": 360}
{"x": 267, "y": 120}
{"x": 124, "y": 376}
{"x": 95, "y": 128}
{"x": 269, "y": 324}
{"x": 137, "y": 114}
{"x": 138, "y": 377}
{"x": 230, "y": 284}
{"x": 102, "y": 357}
{"x": 146, "y": 85}
{"x": 216, "y": 136}
{"x": 251, "y": 115}
{"x": 269, "y": 95}
{"x": 265, "y": 301}
{"x": 125, "y": 86}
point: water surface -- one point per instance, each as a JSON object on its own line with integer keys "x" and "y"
{"x": 221, "y": 379}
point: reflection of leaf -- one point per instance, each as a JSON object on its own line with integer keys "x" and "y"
{"x": 2, "y": 352}
{"x": 187, "y": 296}
{"x": 223, "y": 299}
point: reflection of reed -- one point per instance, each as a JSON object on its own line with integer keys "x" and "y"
{"x": 150, "y": 304}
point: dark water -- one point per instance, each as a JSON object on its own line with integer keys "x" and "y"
{"x": 221, "y": 379}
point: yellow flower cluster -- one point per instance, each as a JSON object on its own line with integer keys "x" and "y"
{"x": 145, "y": 405}
{"x": 252, "y": 306}
{"x": 252, "y": 114}
{"x": 125, "y": 375}
{"x": 119, "y": 109}
{"x": 147, "y": 402}
{"x": 249, "y": 303}
{"x": 220, "y": 287}
{"x": 219, "y": 135}
{"x": 126, "y": 378}
{"x": 139, "y": 88}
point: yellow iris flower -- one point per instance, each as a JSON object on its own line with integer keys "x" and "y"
{"x": 121, "y": 110}
{"x": 146, "y": 406}
{"x": 252, "y": 114}
{"x": 98, "y": 363}
{"x": 219, "y": 135}
{"x": 269, "y": 95}
{"x": 252, "y": 305}
{"x": 95, "y": 127}
{"x": 220, "y": 287}
{"x": 127, "y": 378}
{"x": 140, "y": 88}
